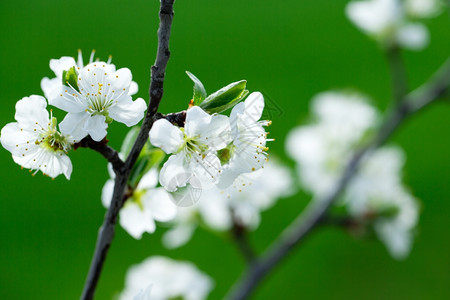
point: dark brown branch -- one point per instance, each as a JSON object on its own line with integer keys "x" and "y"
{"x": 106, "y": 232}
{"x": 106, "y": 151}
{"x": 295, "y": 233}
{"x": 239, "y": 234}
{"x": 174, "y": 118}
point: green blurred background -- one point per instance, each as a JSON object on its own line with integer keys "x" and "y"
{"x": 289, "y": 50}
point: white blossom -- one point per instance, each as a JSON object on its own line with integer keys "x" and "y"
{"x": 147, "y": 204}
{"x": 242, "y": 202}
{"x": 169, "y": 279}
{"x": 194, "y": 147}
{"x": 52, "y": 87}
{"x": 97, "y": 95}
{"x": 34, "y": 141}
{"x": 247, "y": 152}
{"x": 387, "y": 21}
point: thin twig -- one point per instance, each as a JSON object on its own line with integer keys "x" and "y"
{"x": 399, "y": 79}
{"x": 306, "y": 222}
{"x": 239, "y": 234}
{"x": 106, "y": 232}
{"x": 102, "y": 147}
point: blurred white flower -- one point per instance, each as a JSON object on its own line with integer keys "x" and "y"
{"x": 423, "y": 8}
{"x": 144, "y": 294}
{"x": 247, "y": 151}
{"x": 377, "y": 192}
{"x": 169, "y": 279}
{"x": 242, "y": 202}
{"x": 375, "y": 17}
{"x": 322, "y": 150}
{"x": 34, "y": 141}
{"x": 147, "y": 204}
{"x": 52, "y": 87}
{"x": 194, "y": 147}
{"x": 387, "y": 21}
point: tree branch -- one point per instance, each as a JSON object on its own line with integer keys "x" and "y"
{"x": 106, "y": 232}
{"x": 306, "y": 222}
{"x": 239, "y": 234}
{"x": 106, "y": 151}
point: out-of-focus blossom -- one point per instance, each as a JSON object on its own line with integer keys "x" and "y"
{"x": 169, "y": 279}
{"x": 392, "y": 22}
{"x": 242, "y": 202}
{"x": 147, "y": 204}
{"x": 376, "y": 195}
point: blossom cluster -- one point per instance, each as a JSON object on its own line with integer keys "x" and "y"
{"x": 93, "y": 96}
{"x": 216, "y": 166}
{"x": 395, "y": 22}
{"x": 160, "y": 278}
{"x": 376, "y": 197}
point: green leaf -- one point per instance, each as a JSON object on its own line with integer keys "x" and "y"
{"x": 148, "y": 159}
{"x": 225, "y": 98}
{"x": 70, "y": 78}
{"x": 199, "y": 89}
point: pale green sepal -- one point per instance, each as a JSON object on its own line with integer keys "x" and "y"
{"x": 70, "y": 78}
{"x": 199, "y": 89}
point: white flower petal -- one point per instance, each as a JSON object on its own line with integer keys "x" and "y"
{"x": 16, "y": 140}
{"x": 254, "y": 106}
{"x": 227, "y": 178}
{"x": 134, "y": 88}
{"x": 121, "y": 79}
{"x": 135, "y": 221}
{"x": 166, "y": 136}
{"x": 107, "y": 193}
{"x": 413, "y": 36}
{"x": 73, "y": 124}
{"x": 30, "y": 110}
{"x": 62, "y": 64}
{"x": 217, "y": 135}
{"x": 96, "y": 127}
{"x": 160, "y": 204}
{"x": 196, "y": 121}
{"x": 206, "y": 169}
{"x": 178, "y": 236}
{"x": 175, "y": 173}
{"x": 67, "y": 100}
{"x": 149, "y": 180}
{"x": 51, "y": 87}
{"x": 128, "y": 111}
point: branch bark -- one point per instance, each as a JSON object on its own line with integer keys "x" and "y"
{"x": 106, "y": 231}
{"x": 239, "y": 234}
{"x": 102, "y": 147}
{"x": 295, "y": 233}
